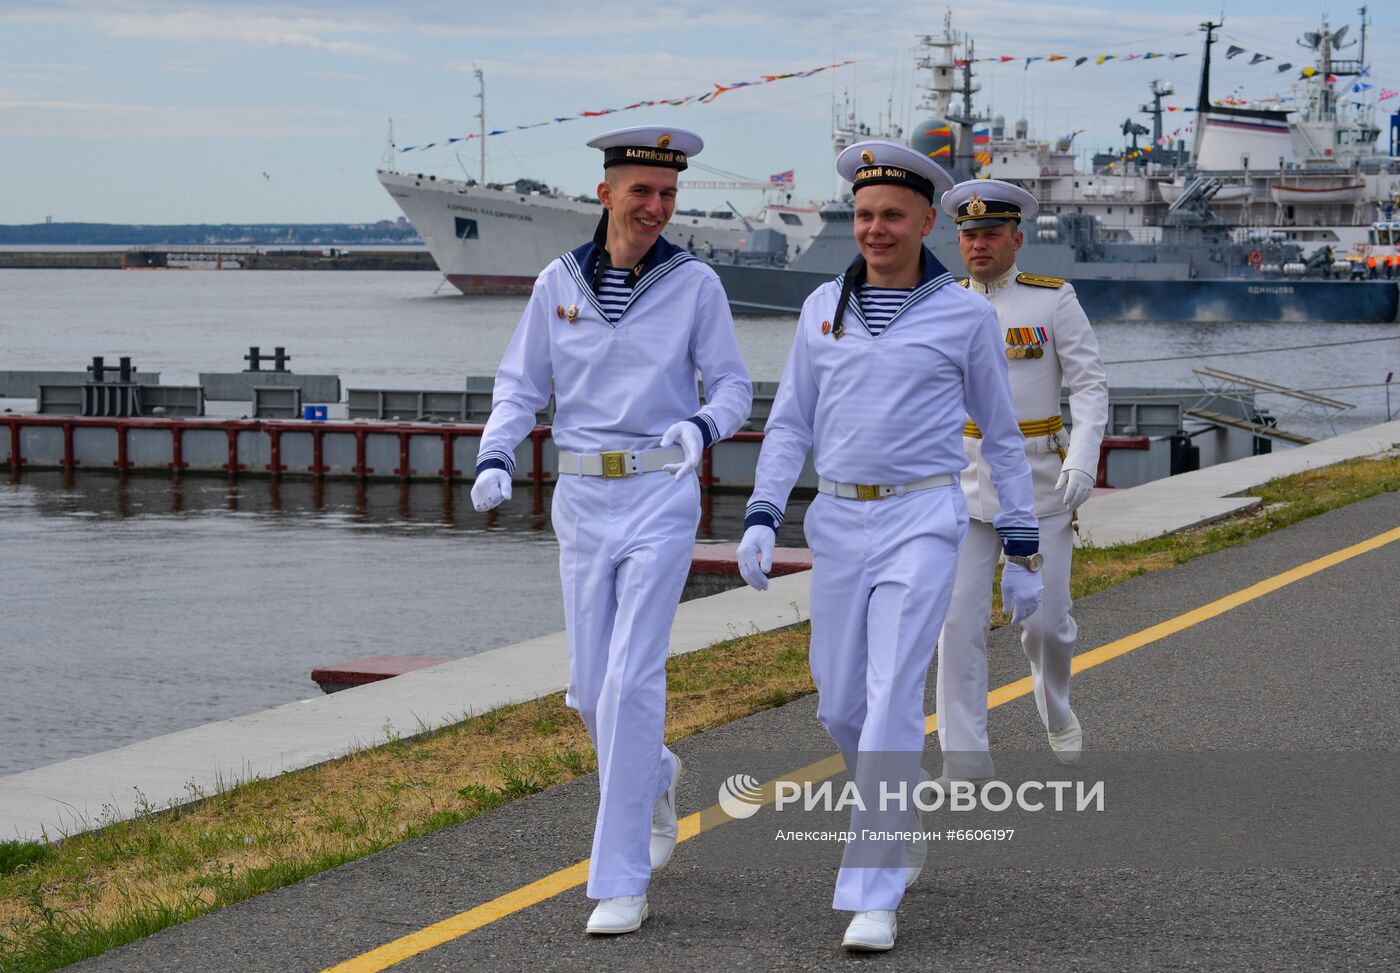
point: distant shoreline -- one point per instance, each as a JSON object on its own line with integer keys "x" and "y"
{"x": 216, "y": 257}
{"x": 45, "y": 236}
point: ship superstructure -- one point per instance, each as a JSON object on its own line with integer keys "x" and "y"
{"x": 1316, "y": 175}
{"x": 1312, "y": 178}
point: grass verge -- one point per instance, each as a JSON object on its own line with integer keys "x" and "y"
{"x": 65, "y": 901}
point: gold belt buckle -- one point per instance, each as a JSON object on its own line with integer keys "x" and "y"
{"x": 868, "y": 491}
{"x": 614, "y": 464}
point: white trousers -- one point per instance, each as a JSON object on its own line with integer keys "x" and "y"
{"x": 882, "y": 574}
{"x": 625, "y": 548}
{"x": 1047, "y": 638}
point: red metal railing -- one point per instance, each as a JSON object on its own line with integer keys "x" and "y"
{"x": 274, "y": 430}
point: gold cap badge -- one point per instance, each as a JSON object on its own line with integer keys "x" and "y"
{"x": 867, "y": 157}
{"x": 664, "y": 142}
{"x": 975, "y": 206}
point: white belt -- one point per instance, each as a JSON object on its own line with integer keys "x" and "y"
{"x": 618, "y": 463}
{"x": 876, "y": 491}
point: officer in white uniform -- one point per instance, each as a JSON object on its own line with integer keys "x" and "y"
{"x": 886, "y": 360}
{"x": 1047, "y": 341}
{"x": 619, "y": 328}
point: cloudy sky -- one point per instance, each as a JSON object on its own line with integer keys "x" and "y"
{"x": 159, "y": 112}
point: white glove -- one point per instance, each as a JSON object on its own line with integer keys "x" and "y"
{"x": 756, "y": 555}
{"x": 688, "y": 435}
{"x": 1021, "y": 592}
{"x": 491, "y": 487}
{"x": 1077, "y": 485}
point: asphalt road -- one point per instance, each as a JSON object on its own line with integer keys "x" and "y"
{"x": 1311, "y": 671}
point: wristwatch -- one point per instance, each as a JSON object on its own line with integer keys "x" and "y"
{"x": 1030, "y": 563}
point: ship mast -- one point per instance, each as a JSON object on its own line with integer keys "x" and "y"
{"x": 1159, "y": 89}
{"x": 1203, "y": 96}
{"x": 1329, "y": 107}
{"x": 481, "y": 117}
{"x": 388, "y": 163}
{"x": 1364, "y": 23}
{"x": 844, "y": 133}
{"x": 968, "y": 88}
{"x": 1327, "y": 43}
{"x": 938, "y": 60}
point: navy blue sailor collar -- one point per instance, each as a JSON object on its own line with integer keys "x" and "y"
{"x": 660, "y": 260}
{"x": 932, "y": 276}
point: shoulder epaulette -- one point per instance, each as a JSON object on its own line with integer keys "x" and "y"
{"x": 1036, "y": 280}
{"x": 965, "y": 281}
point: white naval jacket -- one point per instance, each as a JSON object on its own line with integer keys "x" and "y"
{"x": 1053, "y": 321}
{"x": 889, "y": 409}
{"x": 619, "y": 386}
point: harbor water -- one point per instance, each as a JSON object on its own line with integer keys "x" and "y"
{"x": 137, "y": 606}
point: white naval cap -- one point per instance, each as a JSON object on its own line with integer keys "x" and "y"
{"x": 648, "y": 145}
{"x": 987, "y": 202}
{"x": 878, "y": 162}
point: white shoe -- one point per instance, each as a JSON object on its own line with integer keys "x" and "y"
{"x": 664, "y": 824}
{"x": 870, "y": 932}
{"x": 1067, "y": 743}
{"x": 623, "y": 913}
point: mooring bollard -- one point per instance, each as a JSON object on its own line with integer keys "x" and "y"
{"x": 279, "y": 359}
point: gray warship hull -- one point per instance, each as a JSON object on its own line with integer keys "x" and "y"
{"x": 1189, "y": 274}
{"x": 768, "y": 290}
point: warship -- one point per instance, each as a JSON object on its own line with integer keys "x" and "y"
{"x": 1177, "y": 240}
{"x": 495, "y": 238}
{"x": 1269, "y": 215}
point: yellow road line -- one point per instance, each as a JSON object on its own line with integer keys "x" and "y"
{"x": 690, "y": 826}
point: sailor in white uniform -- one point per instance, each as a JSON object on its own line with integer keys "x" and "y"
{"x": 619, "y": 328}
{"x": 1047, "y": 341}
{"x": 887, "y": 359}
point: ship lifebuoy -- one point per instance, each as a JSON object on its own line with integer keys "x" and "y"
{"x": 1255, "y": 259}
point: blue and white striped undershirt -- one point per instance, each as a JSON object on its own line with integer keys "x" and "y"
{"x": 879, "y": 304}
{"x": 615, "y": 291}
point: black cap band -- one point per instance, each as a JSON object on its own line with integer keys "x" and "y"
{"x": 993, "y": 211}
{"x": 642, "y": 155}
{"x": 876, "y": 175}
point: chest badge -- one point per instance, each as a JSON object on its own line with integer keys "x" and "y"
{"x": 559, "y": 312}
{"x": 826, "y": 327}
{"x": 1023, "y": 343}
{"x": 572, "y": 313}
